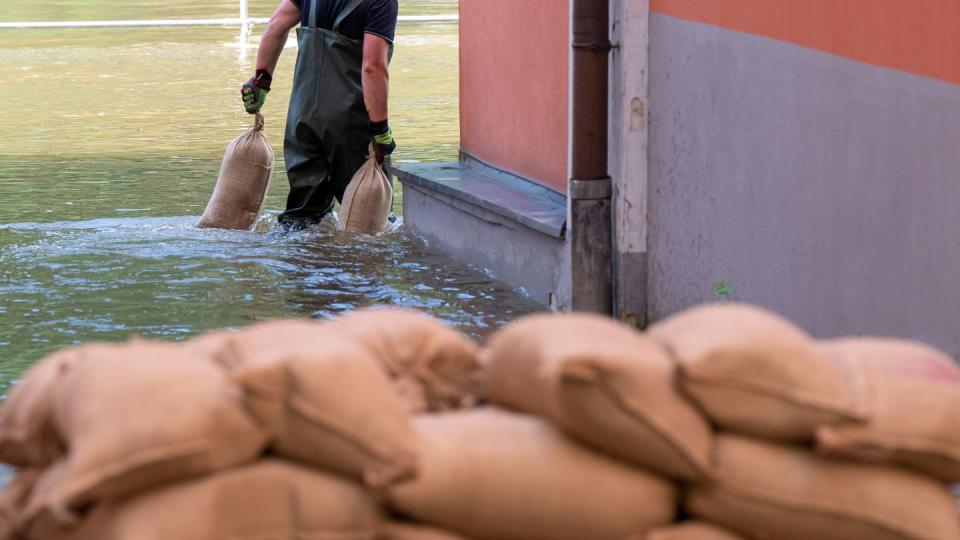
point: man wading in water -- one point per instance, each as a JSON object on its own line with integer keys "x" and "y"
{"x": 339, "y": 100}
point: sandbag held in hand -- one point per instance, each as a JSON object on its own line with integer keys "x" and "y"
{"x": 244, "y": 177}
{"x": 366, "y": 202}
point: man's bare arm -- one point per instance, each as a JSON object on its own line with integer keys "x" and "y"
{"x": 376, "y": 77}
{"x": 274, "y": 36}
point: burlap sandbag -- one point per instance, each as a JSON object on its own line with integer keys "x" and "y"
{"x": 324, "y": 399}
{"x": 27, "y": 436}
{"x": 894, "y": 357}
{"x": 367, "y": 199}
{"x": 496, "y": 475}
{"x": 39, "y": 519}
{"x": 210, "y": 344}
{"x": 406, "y": 531}
{"x": 139, "y": 414}
{"x": 766, "y": 490}
{"x": 755, "y": 373}
{"x": 244, "y": 177}
{"x": 263, "y": 344}
{"x": 13, "y": 501}
{"x": 691, "y": 530}
{"x": 913, "y": 403}
{"x": 605, "y": 383}
{"x": 434, "y": 366}
{"x": 271, "y": 500}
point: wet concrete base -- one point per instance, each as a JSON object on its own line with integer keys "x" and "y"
{"x": 630, "y": 288}
{"x": 527, "y": 259}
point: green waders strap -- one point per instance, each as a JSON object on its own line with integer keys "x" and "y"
{"x": 312, "y": 13}
{"x": 347, "y": 10}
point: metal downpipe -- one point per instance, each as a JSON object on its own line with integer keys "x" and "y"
{"x": 590, "y": 186}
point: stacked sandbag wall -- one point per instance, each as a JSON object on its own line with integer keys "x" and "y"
{"x": 723, "y": 422}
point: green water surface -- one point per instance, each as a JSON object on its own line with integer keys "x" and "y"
{"x": 110, "y": 148}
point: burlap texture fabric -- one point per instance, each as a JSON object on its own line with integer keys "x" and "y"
{"x": 263, "y": 348}
{"x": 324, "y": 399}
{"x": 894, "y": 357}
{"x": 298, "y": 429}
{"x": 136, "y": 415}
{"x": 27, "y": 435}
{"x": 436, "y": 365}
{"x": 244, "y": 178}
{"x": 755, "y": 373}
{"x": 14, "y": 498}
{"x": 210, "y": 344}
{"x": 367, "y": 199}
{"x": 767, "y": 490}
{"x": 406, "y": 531}
{"x": 692, "y": 530}
{"x": 493, "y": 474}
{"x": 603, "y": 382}
{"x": 912, "y": 398}
{"x": 271, "y": 500}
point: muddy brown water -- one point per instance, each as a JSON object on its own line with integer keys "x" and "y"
{"x": 110, "y": 147}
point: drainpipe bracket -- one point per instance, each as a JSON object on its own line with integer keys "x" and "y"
{"x": 592, "y": 189}
{"x": 596, "y": 47}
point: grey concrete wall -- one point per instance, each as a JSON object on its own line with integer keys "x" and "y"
{"x": 628, "y": 137}
{"x": 823, "y": 188}
{"x": 531, "y": 261}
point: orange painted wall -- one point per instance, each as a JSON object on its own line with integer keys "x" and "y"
{"x": 514, "y": 86}
{"x": 918, "y": 36}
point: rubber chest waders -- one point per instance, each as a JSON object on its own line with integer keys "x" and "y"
{"x": 328, "y": 127}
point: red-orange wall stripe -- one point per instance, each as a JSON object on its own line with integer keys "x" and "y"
{"x": 918, "y": 36}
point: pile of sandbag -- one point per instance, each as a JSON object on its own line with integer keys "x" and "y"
{"x": 811, "y": 442}
{"x": 388, "y": 425}
{"x": 288, "y": 429}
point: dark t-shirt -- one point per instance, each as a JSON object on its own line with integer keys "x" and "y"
{"x": 378, "y": 17}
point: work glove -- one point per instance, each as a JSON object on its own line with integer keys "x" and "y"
{"x": 383, "y": 143}
{"x": 254, "y": 92}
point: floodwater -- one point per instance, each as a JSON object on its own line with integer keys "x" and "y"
{"x": 110, "y": 147}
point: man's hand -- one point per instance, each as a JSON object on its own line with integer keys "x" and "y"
{"x": 383, "y": 142}
{"x": 254, "y": 92}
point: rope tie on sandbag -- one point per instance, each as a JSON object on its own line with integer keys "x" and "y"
{"x": 258, "y": 121}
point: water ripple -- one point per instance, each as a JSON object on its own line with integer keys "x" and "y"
{"x": 106, "y": 278}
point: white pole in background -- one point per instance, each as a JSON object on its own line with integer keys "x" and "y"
{"x": 244, "y": 16}
{"x": 245, "y": 29}
{"x": 20, "y": 25}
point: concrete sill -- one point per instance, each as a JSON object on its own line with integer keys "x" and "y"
{"x": 508, "y": 196}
